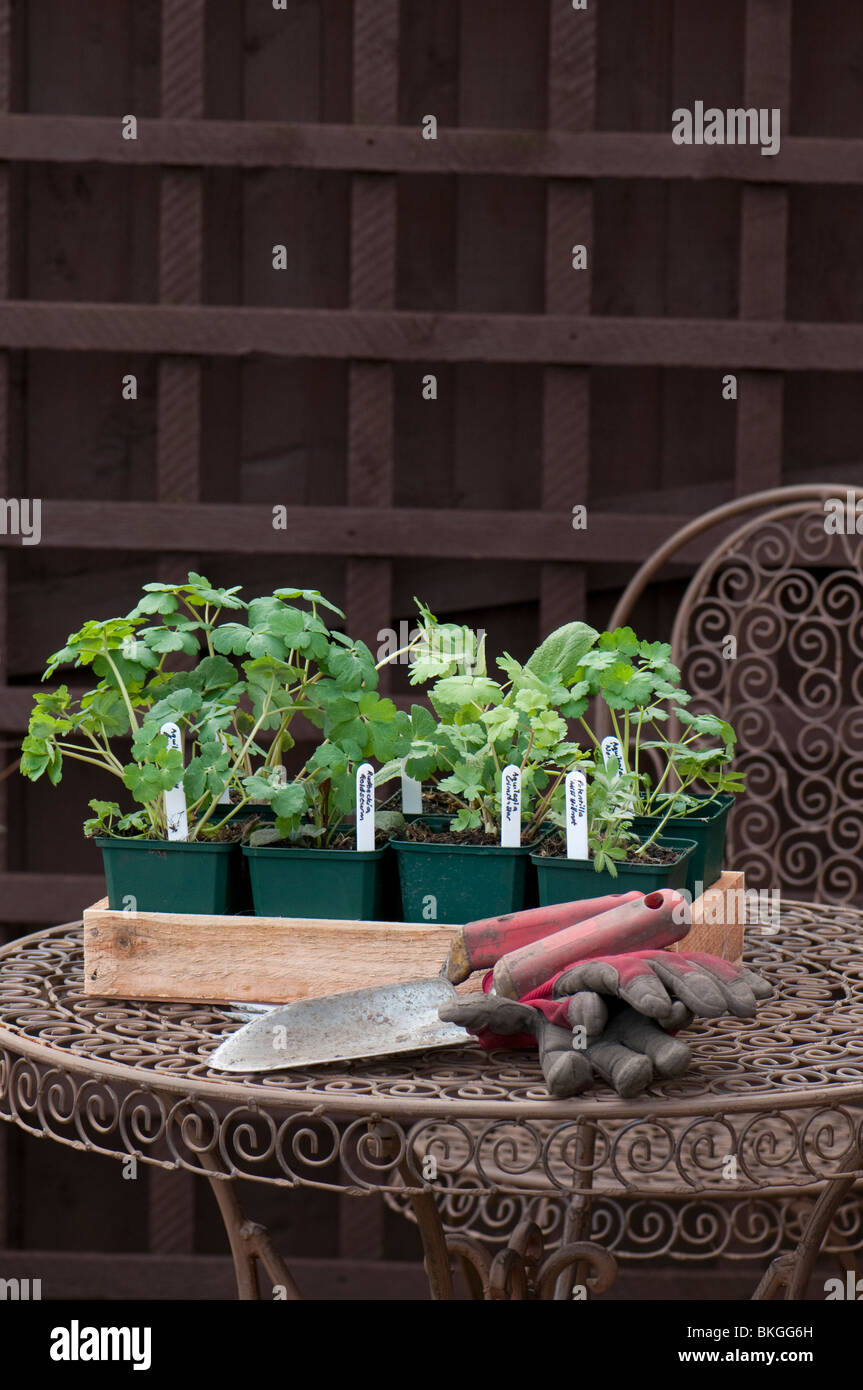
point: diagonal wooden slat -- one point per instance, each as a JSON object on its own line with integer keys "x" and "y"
{"x": 763, "y": 250}
{"x": 372, "y": 287}
{"x": 180, "y": 257}
{"x": 371, "y": 442}
{"x": 178, "y": 432}
{"x": 569, "y": 222}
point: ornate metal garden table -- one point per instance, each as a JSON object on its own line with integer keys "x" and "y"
{"x": 757, "y": 1153}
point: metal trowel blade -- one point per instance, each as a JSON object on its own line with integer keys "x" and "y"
{"x": 374, "y": 1022}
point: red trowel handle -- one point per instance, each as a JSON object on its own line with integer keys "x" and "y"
{"x": 634, "y": 926}
{"x": 479, "y": 944}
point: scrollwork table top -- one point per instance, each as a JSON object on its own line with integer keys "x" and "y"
{"x": 782, "y": 1093}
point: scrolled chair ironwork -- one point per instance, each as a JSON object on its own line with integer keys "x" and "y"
{"x": 769, "y": 635}
{"x": 759, "y": 1146}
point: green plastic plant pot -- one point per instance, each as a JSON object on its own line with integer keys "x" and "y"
{"x": 171, "y": 875}
{"x": 568, "y": 880}
{"x": 459, "y": 883}
{"x": 339, "y": 883}
{"x": 708, "y": 832}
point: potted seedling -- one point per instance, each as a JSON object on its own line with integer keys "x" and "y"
{"x": 640, "y": 686}
{"x": 197, "y": 734}
{"x": 597, "y": 848}
{"x": 309, "y": 862}
{"x": 157, "y": 731}
{"x": 436, "y": 650}
{"x": 487, "y": 736}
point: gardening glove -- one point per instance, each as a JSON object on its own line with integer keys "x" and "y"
{"x": 632, "y": 1052}
{"x": 671, "y": 987}
{"x": 508, "y": 1023}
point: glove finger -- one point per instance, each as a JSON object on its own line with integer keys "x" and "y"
{"x": 626, "y": 1071}
{"x": 670, "y": 1056}
{"x": 679, "y": 1017}
{"x": 598, "y": 975}
{"x": 629, "y": 976}
{"x": 589, "y": 1011}
{"x": 566, "y": 1072}
{"x": 695, "y": 987}
{"x": 489, "y": 1012}
{"x": 730, "y": 982}
{"x": 761, "y": 988}
{"x": 725, "y": 973}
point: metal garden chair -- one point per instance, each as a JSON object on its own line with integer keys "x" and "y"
{"x": 770, "y": 636}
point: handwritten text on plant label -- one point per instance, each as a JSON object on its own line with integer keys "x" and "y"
{"x": 510, "y": 806}
{"x": 365, "y": 807}
{"x": 576, "y": 815}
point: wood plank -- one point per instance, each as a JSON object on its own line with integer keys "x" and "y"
{"x": 377, "y": 532}
{"x": 763, "y": 250}
{"x": 397, "y": 336}
{"x": 47, "y": 898}
{"x": 267, "y": 959}
{"x": 395, "y": 149}
{"x": 718, "y": 919}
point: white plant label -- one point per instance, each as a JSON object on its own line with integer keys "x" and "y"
{"x": 610, "y": 748}
{"x": 225, "y": 798}
{"x": 412, "y": 794}
{"x": 576, "y": 816}
{"x": 365, "y": 807}
{"x": 510, "y": 807}
{"x": 175, "y": 799}
{"x": 280, "y": 775}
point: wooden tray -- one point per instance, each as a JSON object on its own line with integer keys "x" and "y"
{"x": 273, "y": 960}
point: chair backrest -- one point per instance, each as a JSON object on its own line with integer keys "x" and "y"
{"x": 770, "y": 636}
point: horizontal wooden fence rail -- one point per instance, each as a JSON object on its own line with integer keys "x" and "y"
{"x": 238, "y": 331}
{"x": 401, "y": 149}
{"x": 39, "y": 897}
{"x": 345, "y": 531}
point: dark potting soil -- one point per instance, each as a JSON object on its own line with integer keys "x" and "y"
{"x": 435, "y": 803}
{"x": 226, "y": 835}
{"x": 345, "y": 840}
{"x": 424, "y": 834}
{"x": 555, "y": 848}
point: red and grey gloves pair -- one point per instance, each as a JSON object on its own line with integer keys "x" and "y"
{"x": 610, "y": 1016}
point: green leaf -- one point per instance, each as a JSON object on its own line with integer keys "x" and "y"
{"x": 232, "y": 637}
{"x": 455, "y": 692}
{"x": 216, "y": 673}
{"x": 353, "y": 667}
{"x": 562, "y": 651}
{"x": 289, "y": 801}
{"x": 423, "y": 722}
{"x": 380, "y": 711}
{"x": 310, "y": 596}
{"x": 265, "y": 835}
{"x": 160, "y": 602}
{"x": 146, "y": 782}
{"x": 167, "y": 639}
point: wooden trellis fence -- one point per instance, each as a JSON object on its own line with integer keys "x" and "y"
{"x": 406, "y": 257}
